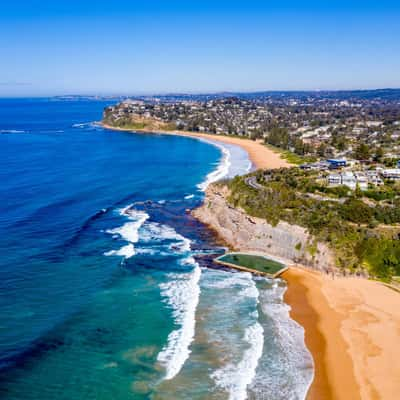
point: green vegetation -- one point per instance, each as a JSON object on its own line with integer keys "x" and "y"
{"x": 361, "y": 228}
{"x": 135, "y": 123}
{"x": 291, "y": 157}
{"x": 292, "y": 149}
{"x": 362, "y": 152}
{"x": 257, "y": 263}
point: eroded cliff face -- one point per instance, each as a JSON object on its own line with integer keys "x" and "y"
{"x": 245, "y": 233}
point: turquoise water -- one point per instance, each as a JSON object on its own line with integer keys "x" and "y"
{"x": 107, "y": 285}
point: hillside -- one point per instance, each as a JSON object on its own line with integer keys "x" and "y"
{"x": 353, "y": 231}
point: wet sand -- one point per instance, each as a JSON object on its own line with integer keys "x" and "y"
{"x": 352, "y": 328}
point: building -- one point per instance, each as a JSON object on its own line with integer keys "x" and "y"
{"x": 362, "y": 180}
{"x": 334, "y": 179}
{"x": 349, "y": 180}
{"x": 335, "y": 163}
{"x": 391, "y": 173}
{"x": 374, "y": 178}
{"x": 352, "y": 180}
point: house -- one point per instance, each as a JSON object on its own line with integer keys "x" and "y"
{"x": 362, "y": 180}
{"x": 335, "y": 163}
{"x": 349, "y": 180}
{"x": 334, "y": 179}
{"x": 374, "y": 178}
{"x": 391, "y": 173}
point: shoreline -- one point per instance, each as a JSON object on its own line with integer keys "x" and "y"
{"x": 351, "y": 325}
{"x": 261, "y": 156}
{"x": 345, "y": 320}
{"x": 321, "y": 324}
{"x": 352, "y": 328}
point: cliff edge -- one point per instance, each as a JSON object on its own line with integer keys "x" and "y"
{"x": 242, "y": 232}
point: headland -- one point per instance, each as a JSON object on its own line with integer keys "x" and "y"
{"x": 351, "y": 324}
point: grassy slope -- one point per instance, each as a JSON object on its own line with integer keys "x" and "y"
{"x": 352, "y": 229}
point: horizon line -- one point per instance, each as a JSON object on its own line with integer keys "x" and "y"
{"x": 199, "y": 93}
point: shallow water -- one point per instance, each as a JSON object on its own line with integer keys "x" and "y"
{"x": 107, "y": 286}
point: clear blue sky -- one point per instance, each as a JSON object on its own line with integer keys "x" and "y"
{"x": 109, "y": 47}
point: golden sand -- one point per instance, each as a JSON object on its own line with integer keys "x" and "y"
{"x": 352, "y": 328}
{"x": 260, "y": 155}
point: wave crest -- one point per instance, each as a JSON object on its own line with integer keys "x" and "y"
{"x": 128, "y": 232}
{"x": 182, "y": 294}
{"x": 221, "y": 171}
{"x": 235, "y": 378}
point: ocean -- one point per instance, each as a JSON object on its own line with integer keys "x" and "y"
{"x": 107, "y": 285}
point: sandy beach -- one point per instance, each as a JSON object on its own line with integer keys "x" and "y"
{"x": 260, "y": 155}
{"x": 352, "y": 328}
{"x": 352, "y": 325}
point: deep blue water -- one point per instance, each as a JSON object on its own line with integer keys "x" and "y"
{"x": 104, "y": 290}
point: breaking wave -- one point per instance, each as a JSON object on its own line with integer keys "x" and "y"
{"x": 5, "y": 131}
{"x": 182, "y": 294}
{"x": 288, "y": 373}
{"x": 158, "y": 233}
{"x": 128, "y": 232}
{"x": 221, "y": 171}
{"x": 234, "y": 378}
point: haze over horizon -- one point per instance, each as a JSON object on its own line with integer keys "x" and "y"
{"x": 197, "y": 47}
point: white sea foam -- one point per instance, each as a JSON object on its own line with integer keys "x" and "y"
{"x": 128, "y": 232}
{"x": 234, "y": 378}
{"x": 125, "y": 251}
{"x": 293, "y": 369}
{"x": 189, "y": 196}
{"x": 87, "y": 125}
{"x": 82, "y": 125}
{"x": 11, "y": 131}
{"x": 221, "y": 171}
{"x": 234, "y": 161}
{"x": 241, "y": 280}
{"x": 181, "y": 293}
{"x": 156, "y": 232}
{"x": 239, "y": 370}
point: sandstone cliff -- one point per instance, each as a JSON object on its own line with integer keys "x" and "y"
{"x": 245, "y": 233}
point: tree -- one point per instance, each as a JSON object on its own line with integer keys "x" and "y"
{"x": 278, "y": 137}
{"x": 362, "y": 152}
{"x": 321, "y": 150}
{"x": 379, "y": 153}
